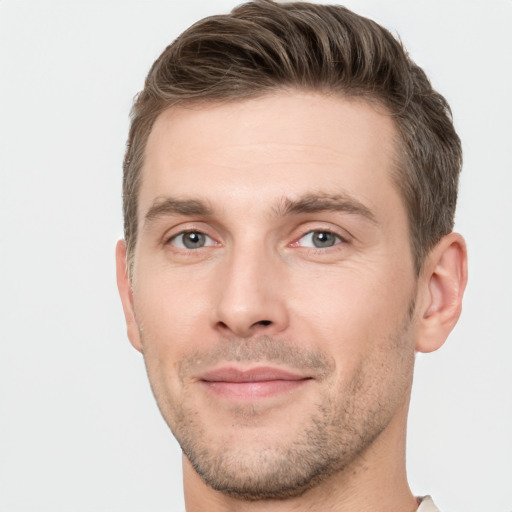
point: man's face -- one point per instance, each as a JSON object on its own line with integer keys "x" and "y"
{"x": 273, "y": 288}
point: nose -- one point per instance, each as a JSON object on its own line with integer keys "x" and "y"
{"x": 251, "y": 295}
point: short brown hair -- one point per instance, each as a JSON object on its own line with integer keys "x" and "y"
{"x": 263, "y": 47}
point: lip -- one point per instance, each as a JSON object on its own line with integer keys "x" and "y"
{"x": 252, "y": 383}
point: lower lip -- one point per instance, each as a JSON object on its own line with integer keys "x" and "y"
{"x": 253, "y": 390}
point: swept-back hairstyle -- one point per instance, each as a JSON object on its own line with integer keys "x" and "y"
{"x": 263, "y": 47}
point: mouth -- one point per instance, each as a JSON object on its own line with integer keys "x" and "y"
{"x": 251, "y": 384}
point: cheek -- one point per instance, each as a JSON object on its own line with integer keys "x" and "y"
{"x": 170, "y": 316}
{"x": 171, "y": 311}
{"x": 350, "y": 312}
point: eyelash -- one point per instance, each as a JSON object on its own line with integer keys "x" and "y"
{"x": 176, "y": 236}
{"x": 339, "y": 240}
{"x": 211, "y": 242}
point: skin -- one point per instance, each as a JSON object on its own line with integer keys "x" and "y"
{"x": 255, "y": 180}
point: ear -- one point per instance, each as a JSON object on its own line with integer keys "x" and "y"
{"x": 125, "y": 291}
{"x": 443, "y": 281}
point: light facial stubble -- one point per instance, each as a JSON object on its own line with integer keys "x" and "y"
{"x": 349, "y": 415}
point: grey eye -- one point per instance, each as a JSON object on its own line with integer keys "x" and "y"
{"x": 191, "y": 240}
{"x": 319, "y": 239}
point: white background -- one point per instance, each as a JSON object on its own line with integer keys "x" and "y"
{"x": 79, "y": 430}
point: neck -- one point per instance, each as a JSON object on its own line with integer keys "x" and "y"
{"x": 375, "y": 481}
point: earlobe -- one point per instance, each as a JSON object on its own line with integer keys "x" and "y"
{"x": 443, "y": 279}
{"x": 125, "y": 291}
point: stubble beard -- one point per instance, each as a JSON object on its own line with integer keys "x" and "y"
{"x": 344, "y": 424}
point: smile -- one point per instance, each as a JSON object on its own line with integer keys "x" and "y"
{"x": 251, "y": 384}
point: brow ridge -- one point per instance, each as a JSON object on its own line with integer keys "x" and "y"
{"x": 311, "y": 203}
{"x": 163, "y": 207}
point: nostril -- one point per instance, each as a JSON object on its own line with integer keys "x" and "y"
{"x": 264, "y": 322}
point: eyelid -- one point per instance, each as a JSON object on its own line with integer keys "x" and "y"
{"x": 343, "y": 235}
{"x": 337, "y": 239}
{"x": 191, "y": 227}
{"x": 210, "y": 242}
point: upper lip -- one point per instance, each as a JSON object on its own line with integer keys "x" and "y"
{"x": 258, "y": 374}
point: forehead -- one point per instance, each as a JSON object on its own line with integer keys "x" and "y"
{"x": 274, "y": 146}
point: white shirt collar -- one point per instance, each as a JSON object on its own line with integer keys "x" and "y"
{"x": 427, "y": 505}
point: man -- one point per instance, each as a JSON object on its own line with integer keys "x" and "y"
{"x": 289, "y": 192}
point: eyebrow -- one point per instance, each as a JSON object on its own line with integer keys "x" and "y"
{"x": 173, "y": 206}
{"x": 312, "y": 203}
{"x": 309, "y": 203}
